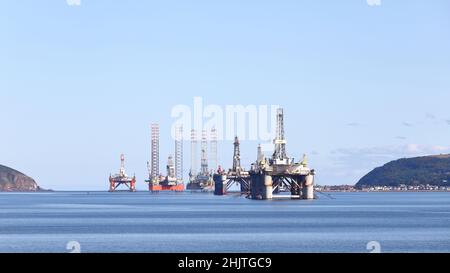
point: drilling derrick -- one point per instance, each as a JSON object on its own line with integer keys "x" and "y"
{"x": 115, "y": 181}
{"x": 260, "y": 155}
{"x": 280, "y": 156}
{"x": 122, "y": 166}
{"x": 236, "y": 156}
{"x": 171, "y": 177}
{"x": 204, "y": 146}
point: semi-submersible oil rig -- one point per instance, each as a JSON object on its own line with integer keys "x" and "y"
{"x": 269, "y": 177}
{"x": 122, "y": 179}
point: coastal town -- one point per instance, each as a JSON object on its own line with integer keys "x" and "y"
{"x": 399, "y": 188}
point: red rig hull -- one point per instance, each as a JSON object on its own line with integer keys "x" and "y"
{"x": 156, "y": 188}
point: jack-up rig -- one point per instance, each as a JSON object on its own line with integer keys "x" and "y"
{"x": 174, "y": 179}
{"x": 202, "y": 180}
{"x": 117, "y": 180}
{"x": 269, "y": 176}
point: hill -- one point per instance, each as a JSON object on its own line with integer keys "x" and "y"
{"x": 432, "y": 170}
{"x": 15, "y": 181}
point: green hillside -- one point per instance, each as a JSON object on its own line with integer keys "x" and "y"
{"x": 433, "y": 170}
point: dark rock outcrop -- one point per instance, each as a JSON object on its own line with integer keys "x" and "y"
{"x": 14, "y": 181}
{"x": 432, "y": 170}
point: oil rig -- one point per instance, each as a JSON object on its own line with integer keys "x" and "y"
{"x": 122, "y": 179}
{"x": 269, "y": 177}
{"x": 235, "y": 176}
{"x": 203, "y": 180}
{"x": 174, "y": 179}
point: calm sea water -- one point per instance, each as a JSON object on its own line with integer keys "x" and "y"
{"x": 195, "y": 222}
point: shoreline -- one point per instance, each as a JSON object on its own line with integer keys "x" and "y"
{"x": 146, "y": 191}
{"x": 369, "y": 191}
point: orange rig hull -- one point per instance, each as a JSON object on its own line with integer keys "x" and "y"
{"x": 156, "y": 188}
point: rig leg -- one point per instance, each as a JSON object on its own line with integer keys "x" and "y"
{"x": 268, "y": 191}
{"x": 133, "y": 185}
{"x": 112, "y": 186}
{"x": 296, "y": 189}
{"x": 257, "y": 186}
{"x": 220, "y": 183}
{"x": 308, "y": 188}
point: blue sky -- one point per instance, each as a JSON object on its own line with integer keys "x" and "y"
{"x": 360, "y": 84}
